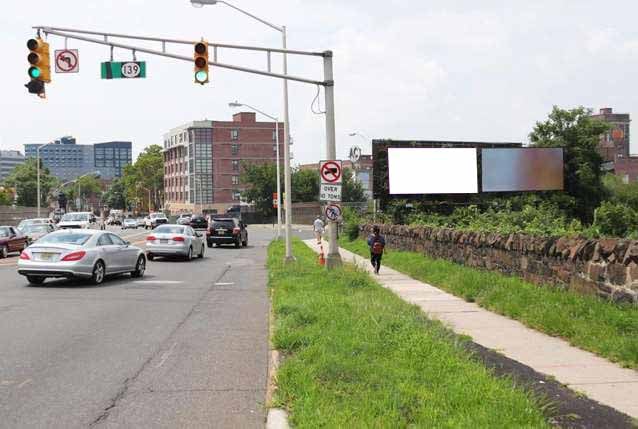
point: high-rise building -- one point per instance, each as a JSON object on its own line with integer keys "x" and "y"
{"x": 203, "y": 160}
{"x": 9, "y": 159}
{"x": 615, "y": 143}
{"x": 67, "y": 160}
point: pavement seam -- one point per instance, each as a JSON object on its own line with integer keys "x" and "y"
{"x": 127, "y": 382}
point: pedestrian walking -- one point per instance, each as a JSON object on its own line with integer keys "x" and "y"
{"x": 376, "y": 242}
{"x": 318, "y": 228}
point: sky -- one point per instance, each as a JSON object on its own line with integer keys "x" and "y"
{"x": 412, "y": 69}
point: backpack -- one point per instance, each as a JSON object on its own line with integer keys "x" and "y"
{"x": 377, "y": 248}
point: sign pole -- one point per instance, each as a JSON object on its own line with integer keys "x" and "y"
{"x": 333, "y": 258}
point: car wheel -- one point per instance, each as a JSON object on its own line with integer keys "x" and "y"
{"x": 140, "y": 267}
{"x": 189, "y": 257}
{"x": 201, "y": 253}
{"x": 98, "y": 273}
{"x": 35, "y": 280}
{"x": 3, "y": 252}
{"x": 150, "y": 257}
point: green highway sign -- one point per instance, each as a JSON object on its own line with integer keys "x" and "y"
{"x": 123, "y": 70}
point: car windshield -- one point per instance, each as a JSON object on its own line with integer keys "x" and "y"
{"x": 130, "y": 220}
{"x": 4, "y": 232}
{"x": 30, "y": 222}
{"x": 75, "y": 217}
{"x": 65, "y": 238}
{"x": 223, "y": 223}
{"x": 157, "y": 215}
{"x": 169, "y": 230}
{"x": 30, "y": 229}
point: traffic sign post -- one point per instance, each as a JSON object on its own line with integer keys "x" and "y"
{"x": 123, "y": 70}
{"x": 333, "y": 212}
{"x": 67, "y": 61}
{"x": 330, "y": 172}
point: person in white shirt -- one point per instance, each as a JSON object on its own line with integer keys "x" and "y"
{"x": 318, "y": 228}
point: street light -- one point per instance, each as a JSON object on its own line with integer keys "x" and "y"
{"x": 37, "y": 157}
{"x": 235, "y": 105}
{"x": 287, "y": 178}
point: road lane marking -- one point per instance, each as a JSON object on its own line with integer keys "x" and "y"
{"x": 158, "y": 282}
{"x": 24, "y": 383}
{"x": 166, "y": 355}
{"x": 224, "y": 284}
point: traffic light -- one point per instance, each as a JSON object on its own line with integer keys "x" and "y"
{"x": 40, "y": 66}
{"x": 201, "y": 62}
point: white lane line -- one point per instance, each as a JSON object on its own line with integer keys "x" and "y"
{"x": 166, "y": 355}
{"x": 158, "y": 282}
{"x": 24, "y": 383}
{"x": 224, "y": 284}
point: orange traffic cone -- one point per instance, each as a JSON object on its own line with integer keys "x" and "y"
{"x": 322, "y": 259}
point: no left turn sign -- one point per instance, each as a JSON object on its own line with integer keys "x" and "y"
{"x": 67, "y": 61}
{"x": 330, "y": 172}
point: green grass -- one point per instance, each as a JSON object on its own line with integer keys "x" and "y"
{"x": 359, "y": 356}
{"x": 607, "y": 329}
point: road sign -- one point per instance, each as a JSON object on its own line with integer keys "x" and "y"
{"x": 330, "y": 172}
{"x": 123, "y": 70}
{"x": 67, "y": 61}
{"x": 275, "y": 200}
{"x": 355, "y": 154}
{"x": 330, "y": 192}
{"x": 333, "y": 212}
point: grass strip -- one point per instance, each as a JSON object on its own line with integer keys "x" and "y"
{"x": 358, "y": 355}
{"x": 605, "y": 328}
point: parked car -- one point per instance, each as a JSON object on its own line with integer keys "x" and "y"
{"x": 36, "y": 231}
{"x": 184, "y": 219}
{"x": 156, "y": 219}
{"x": 11, "y": 240}
{"x": 199, "y": 222}
{"x": 36, "y": 221}
{"x": 175, "y": 240}
{"x": 140, "y": 222}
{"x": 86, "y": 254}
{"x": 78, "y": 220}
{"x": 226, "y": 230}
{"x": 129, "y": 223}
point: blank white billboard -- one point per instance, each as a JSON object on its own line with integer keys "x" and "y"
{"x": 432, "y": 171}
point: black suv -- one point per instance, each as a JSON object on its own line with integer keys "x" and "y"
{"x": 226, "y": 230}
{"x": 198, "y": 222}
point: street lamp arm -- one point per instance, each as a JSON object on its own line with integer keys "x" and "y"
{"x": 236, "y": 104}
{"x": 263, "y": 21}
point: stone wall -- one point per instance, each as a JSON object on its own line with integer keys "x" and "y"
{"x": 603, "y": 267}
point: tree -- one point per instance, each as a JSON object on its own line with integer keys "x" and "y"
{"x": 23, "y": 179}
{"x": 262, "y": 183}
{"x": 115, "y": 196}
{"x": 305, "y": 186}
{"x": 146, "y": 174}
{"x": 579, "y": 134}
{"x": 352, "y": 190}
{"x": 6, "y": 197}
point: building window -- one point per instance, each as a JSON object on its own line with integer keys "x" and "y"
{"x": 274, "y": 148}
{"x": 234, "y": 134}
{"x": 235, "y": 165}
{"x": 274, "y": 135}
{"x": 234, "y": 149}
{"x": 235, "y": 180}
{"x": 236, "y": 195}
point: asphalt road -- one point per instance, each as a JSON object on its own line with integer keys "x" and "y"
{"x": 186, "y": 346}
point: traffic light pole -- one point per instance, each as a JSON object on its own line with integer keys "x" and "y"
{"x": 334, "y": 259}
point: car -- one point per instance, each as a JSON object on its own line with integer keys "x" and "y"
{"x": 156, "y": 219}
{"x": 36, "y": 221}
{"x": 36, "y": 231}
{"x": 78, "y": 220}
{"x": 198, "y": 222}
{"x": 175, "y": 240}
{"x": 226, "y": 230}
{"x": 80, "y": 253}
{"x": 184, "y": 219}
{"x": 140, "y": 222}
{"x": 129, "y": 223}
{"x": 11, "y": 240}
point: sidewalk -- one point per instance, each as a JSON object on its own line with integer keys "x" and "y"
{"x": 582, "y": 371}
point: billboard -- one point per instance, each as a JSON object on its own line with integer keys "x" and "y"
{"x": 523, "y": 169}
{"x": 417, "y": 170}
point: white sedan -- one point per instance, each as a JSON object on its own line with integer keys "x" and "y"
{"x": 175, "y": 241}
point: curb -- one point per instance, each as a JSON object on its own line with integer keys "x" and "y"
{"x": 277, "y": 418}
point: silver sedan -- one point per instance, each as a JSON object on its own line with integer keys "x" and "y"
{"x": 175, "y": 240}
{"x": 88, "y": 254}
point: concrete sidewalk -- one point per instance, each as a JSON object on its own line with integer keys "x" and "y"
{"x": 582, "y": 371}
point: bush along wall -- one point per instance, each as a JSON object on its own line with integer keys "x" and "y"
{"x": 604, "y": 267}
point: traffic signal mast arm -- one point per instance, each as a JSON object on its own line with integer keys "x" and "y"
{"x": 79, "y": 35}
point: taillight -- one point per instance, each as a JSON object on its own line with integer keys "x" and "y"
{"x": 236, "y": 230}
{"x": 150, "y": 238}
{"x": 24, "y": 255}
{"x": 74, "y": 256}
{"x": 178, "y": 238}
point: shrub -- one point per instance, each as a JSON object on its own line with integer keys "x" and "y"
{"x": 615, "y": 219}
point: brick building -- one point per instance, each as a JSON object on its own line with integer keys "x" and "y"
{"x": 203, "y": 159}
{"x": 614, "y": 145}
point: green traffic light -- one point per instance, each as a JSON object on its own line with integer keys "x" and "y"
{"x": 34, "y": 72}
{"x": 201, "y": 76}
